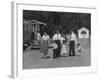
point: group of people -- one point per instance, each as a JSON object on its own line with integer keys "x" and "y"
{"x": 62, "y": 45}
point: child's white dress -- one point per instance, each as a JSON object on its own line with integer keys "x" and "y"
{"x": 64, "y": 50}
{"x": 78, "y": 53}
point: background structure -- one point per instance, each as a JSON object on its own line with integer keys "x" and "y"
{"x": 63, "y": 21}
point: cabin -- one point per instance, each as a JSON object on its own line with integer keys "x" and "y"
{"x": 30, "y": 29}
{"x": 83, "y": 33}
{"x": 31, "y": 26}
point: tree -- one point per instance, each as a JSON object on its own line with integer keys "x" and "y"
{"x": 64, "y": 21}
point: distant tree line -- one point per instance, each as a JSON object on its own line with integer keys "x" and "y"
{"x": 63, "y": 21}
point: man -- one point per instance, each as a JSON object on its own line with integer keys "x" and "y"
{"x": 57, "y": 39}
{"x": 73, "y": 40}
{"x": 32, "y": 38}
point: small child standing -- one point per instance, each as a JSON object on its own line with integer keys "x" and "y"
{"x": 55, "y": 46}
{"x": 79, "y": 50}
{"x": 64, "y": 49}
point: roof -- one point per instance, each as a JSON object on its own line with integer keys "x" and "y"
{"x": 33, "y": 22}
{"x": 83, "y": 28}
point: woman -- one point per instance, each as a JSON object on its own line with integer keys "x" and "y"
{"x": 44, "y": 44}
{"x": 67, "y": 39}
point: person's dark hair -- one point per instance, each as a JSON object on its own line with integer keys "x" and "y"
{"x": 45, "y": 33}
{"x": 57, "y": 31}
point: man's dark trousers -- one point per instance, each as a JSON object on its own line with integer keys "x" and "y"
{"x": 72, "y": 48}
{"x": 59, "y": 48}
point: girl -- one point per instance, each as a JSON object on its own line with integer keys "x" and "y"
{"x": 64, "y": 49}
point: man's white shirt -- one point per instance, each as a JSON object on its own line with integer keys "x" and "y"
{"x": 73, "y": 38}
{"x": 57, "y": 37}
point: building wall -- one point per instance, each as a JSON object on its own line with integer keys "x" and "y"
{"x": 80, "y": 35}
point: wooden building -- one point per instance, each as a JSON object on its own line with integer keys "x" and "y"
{"x": 30, "y": 26}
{"x": 83, "y": 33}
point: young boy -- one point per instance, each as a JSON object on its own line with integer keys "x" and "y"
{"x": 79, "y": 50}
{"x": 55, "y": 46}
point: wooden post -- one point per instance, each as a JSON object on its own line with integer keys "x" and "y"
{"x": 35, "y": 31}
{"x": 38, "y": 27}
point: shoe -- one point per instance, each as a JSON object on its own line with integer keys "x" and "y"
{"x": 55, "y": 57}
{"x": 48, "y": 56}
{"x": 70, "y": 55}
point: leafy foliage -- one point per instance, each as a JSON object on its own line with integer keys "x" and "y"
{"x": 63, "y": 21}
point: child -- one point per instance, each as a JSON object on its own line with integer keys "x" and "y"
{"x": 79, "y": 49}
{"x": 55, "y": 46}
{"x": 64, "y": 49}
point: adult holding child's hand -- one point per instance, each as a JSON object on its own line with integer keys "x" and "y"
{"x": 57, "y": 39}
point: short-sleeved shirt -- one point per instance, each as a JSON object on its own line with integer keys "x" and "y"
{"x": 57, "y": 37}
{"x": 45, "y": 37}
